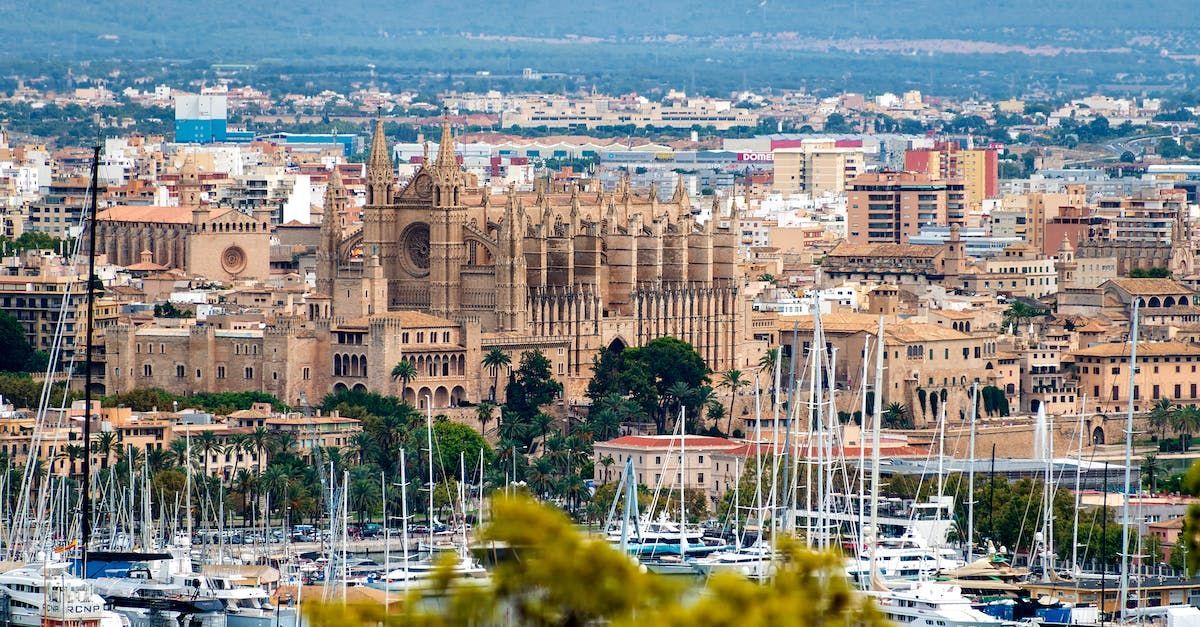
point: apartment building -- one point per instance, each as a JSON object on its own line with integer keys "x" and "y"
{"x": 890, "y": 207}
{"x": 817, "y": 168}
{"x": 976, "y": 168}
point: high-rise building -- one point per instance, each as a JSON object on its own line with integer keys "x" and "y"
{"x": 890, "y": 207}
{"x": 817, "y": 169}
{"x": 977, "y": 168}
{"x": 200, "y": 119}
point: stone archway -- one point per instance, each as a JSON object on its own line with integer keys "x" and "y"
{"x": 441, "y": 397}
{"x": 424, "y": 395}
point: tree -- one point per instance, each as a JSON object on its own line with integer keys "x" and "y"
{"x": 733, "y": 381}
{"x": 1160, "y": 416}
{"x": 1019, "y": 312}
{"x": 1185, "y": 421}
{"x": 547, "y": 587}
{"x": 494, "y": 360}
{"x": 1151, "y": 470}
{"x": 404, "y": 371}
{"x": 483, "y": 413}
{"x": 207, "y": 443}
{"x": 532, "y": 385}
{"x": 452, "y": 440}
{"x": 896, "y": 416}
{"x": 644, "y": 374}
{"x": 15, "y": 352}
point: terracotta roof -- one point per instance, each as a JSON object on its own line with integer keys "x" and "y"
{"x": 846, "y": 249}
{"x": 1145, "y": 349}
{"x": 131, "y": 213}
{"x": 145, "y": 266}
{"x": 669, "y": 441}
{"x": 1150, "y": 287}
{"x": 846, "y": 322}
{"x": 408, "y": 320}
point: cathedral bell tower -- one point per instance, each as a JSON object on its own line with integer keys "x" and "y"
{"x": 332, "y": 227}
{"x": 447, "y": 249}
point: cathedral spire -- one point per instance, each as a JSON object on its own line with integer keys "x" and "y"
{"x": 334, "y": 193}
{"x": 379, "y": 148}
{"x": 446, "y": 158}
{"x": 380, "y": 176}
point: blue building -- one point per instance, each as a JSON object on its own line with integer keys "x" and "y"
{"x": 200, "y": 119}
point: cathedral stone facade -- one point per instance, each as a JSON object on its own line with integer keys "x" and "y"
{"x": 565, "y": 270}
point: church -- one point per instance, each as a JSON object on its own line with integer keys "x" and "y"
{"x": 220, "y": 244}
{"x": 442, "y": 270}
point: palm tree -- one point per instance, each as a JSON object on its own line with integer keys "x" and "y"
{"x": 766, "y": 365}
{"x": 678, "y": 394}
{"x": 540, "y": 477}
{"x": 207, "y": 443}
{"x": 258, "y": 441}
{"x": 360, "y": 446}
{"x": 734, "y": 381}
{"x": 71, "y": 452}
{"x": 178, "y": 448}
{"x": 1150, "y": 471}
{"x": 1185, "y": 421}
{"x": 244, "y": 482}
{"x": 1019, "y": 312}
{"x": 235, "y": 445}
{"x": 159, "y": 459}
{"x": 105, "y": 444}
{"x": 404, "y": 371}
{"x": 1160, "y": 416}
{"x": 494, "y": 360}
{"x": 607, "y": 461}
{"x": 541, "y": 422}
{"x": 483, "y": 413}
{"x": 896, "y": 416}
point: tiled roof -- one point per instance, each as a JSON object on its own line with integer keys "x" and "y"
{"x": 846, "y": 249}
{"x": 1145, "y": 349}
{"x": 132, "y": 213}
{"x": 669, "y": 441}
{"x": 1150, "y": 287}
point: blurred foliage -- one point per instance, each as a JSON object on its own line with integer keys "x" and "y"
{"x": 563, "y": 577}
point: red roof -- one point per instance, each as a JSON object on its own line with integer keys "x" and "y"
{"x": 670, "y": 441}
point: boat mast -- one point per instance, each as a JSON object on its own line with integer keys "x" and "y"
{"x": 878, "y": 420}
{"x": 862, "y": 449}
{"x": 971, "y": 476}
{"x": 404, "y": 513}
{"x": 1078, "y": 476}
{"x": 1133, "y": 340}
{"x": 85, "y": 506}
{"x": 429, "y": 442}
{"x": 682, "y": 483}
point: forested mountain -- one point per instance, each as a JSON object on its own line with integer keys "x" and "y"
{"x": 705, "y": 44}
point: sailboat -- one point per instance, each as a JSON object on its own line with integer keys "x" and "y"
{"x": 417, "y": 573}
{"x": 925, "y": 603}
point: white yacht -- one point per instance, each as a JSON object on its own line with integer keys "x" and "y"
{"x": 245, "y": 606}
{"x": 932, "y": 604}
{"x": 46, "y": 595}
{"x": 416, "y": 574}
{"x": 757, "y": 561}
